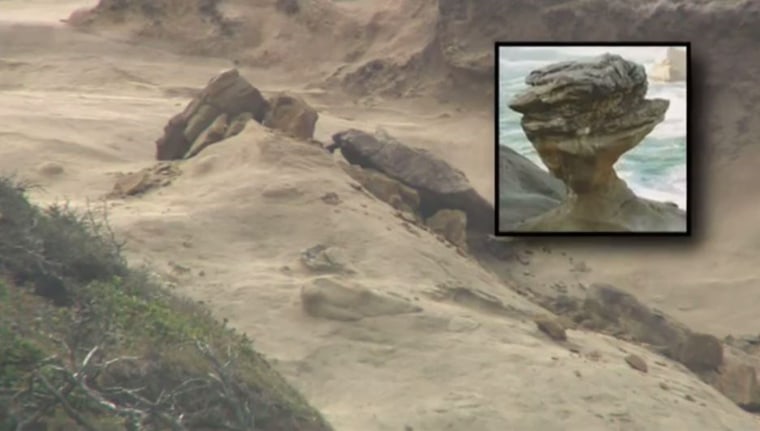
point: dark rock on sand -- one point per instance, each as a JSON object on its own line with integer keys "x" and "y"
{"x": 440, "y": 185}
{"x": 701, "y": 352}
{"x": 551, "y": 327}
{"x": 610, "y": 309}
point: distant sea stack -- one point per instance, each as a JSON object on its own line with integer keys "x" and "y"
{"x": 581, "y": 117}
{"x": 672, "y": 68}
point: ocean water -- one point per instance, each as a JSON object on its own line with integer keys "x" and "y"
{"x": 656, "y": 168}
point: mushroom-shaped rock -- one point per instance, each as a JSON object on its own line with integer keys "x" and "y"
{"x": 581, "y": 117}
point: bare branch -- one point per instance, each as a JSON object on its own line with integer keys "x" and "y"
{"x": 221, "y": 394}
{"x": 65, "y": 404}
{"x": 244, "y": 417}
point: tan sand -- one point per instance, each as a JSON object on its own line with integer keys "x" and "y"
{"x": 77, "y": 109}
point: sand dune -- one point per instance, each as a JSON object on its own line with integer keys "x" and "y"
{"x": 78, "y": 108}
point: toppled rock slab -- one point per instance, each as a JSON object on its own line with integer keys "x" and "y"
{"x": 439, "y": 185}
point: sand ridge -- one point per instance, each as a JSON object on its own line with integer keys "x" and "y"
{"x": 78, "y": 109}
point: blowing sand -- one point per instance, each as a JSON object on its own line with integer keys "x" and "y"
{"x": 77, "y": 109}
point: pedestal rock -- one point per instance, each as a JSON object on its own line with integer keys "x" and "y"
{"x": 581, "y": 117}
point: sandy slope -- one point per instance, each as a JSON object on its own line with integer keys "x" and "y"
{"x": 76, "y": 109}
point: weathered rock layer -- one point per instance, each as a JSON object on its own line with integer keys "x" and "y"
{"x": 581, "y": 117}
{"x": 439, "y": 185}
{"x": 223, "y": 108}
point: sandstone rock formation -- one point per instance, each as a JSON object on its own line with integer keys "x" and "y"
{"x": 206, "y": 118}
{"x": 525, "y": 190}
{"x": 439, "y": 185}
{"x": 137, "y": 183}
{"x": 466, "y": 29}
{"x": 388, "y": 190}
{"x": 551, "y": 327}
{"x": 581, "y": 117}
{"x": 738, "y": 381}
{"x": 701, "y": 353}
{"x": 610, "y": 310}
{"x": 452, "y": 225}
{"x": 222, "y": 110}
{"x": 672, "y": 68}
{"x": 292, "y": 115}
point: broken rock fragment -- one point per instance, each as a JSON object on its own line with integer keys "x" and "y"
{"x": 292, "y": 115}
{"x": 226, "y": 96}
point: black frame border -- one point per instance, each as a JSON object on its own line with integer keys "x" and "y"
{"x": 689, "y": 142}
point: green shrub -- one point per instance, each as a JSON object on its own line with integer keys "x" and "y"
{"x": 78, "y": 325}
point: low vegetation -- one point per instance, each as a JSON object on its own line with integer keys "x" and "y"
{"x": 88, "y": 343}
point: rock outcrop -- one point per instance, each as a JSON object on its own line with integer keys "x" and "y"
{"x": 610, "y": 310}
{"x": 672, "y": 68}
{"x": 525, "y": 190}
{"x": 206, "y": 118}
{"x": 581, "y": 117}
{"x": 222, "y": 110}
{"x": 388, "y": 190}
{"x": 292, "y": 115}
{"x": 439, "y": 185}
{"x": 738, "y": 381}
{"x": 451, "y": 225}
{"x": 466, "y": 30}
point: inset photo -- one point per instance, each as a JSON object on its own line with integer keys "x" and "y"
{"x": 592, "y": 139}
